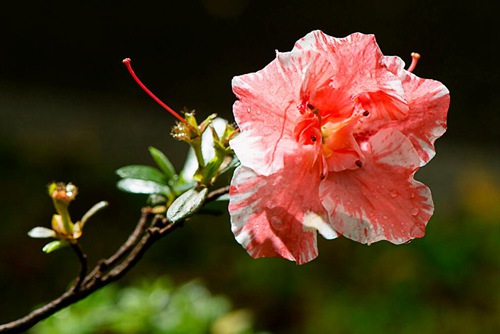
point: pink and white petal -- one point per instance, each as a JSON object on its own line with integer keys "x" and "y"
{"x": 360, "y": 71}
{"x": 383, "y": 105}
{"x": 278, "y": 215}
{"x": 251, "y": 150}
{"x": 428, "y": 102}
{"x": 268, "y": 110}
{"x": 318, "y": 73}
{"x": 396, "y": 65}
{"x": 332, "y": 102}
{"x": 352, "y": 54}
{"x": 381, "y": 200}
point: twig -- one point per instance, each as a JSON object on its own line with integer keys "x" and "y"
{"x": 213, "y": 195}
{"x": 132, "y": 240}
{"x": 108, "y": 270}
{"x": 82, "y": 257}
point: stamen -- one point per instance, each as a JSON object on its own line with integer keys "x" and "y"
{"x": 127, "y": 61}
{"x": 313, "y": 138}
{"x": 414, "y": 60}
{"x": 233, "y": 134}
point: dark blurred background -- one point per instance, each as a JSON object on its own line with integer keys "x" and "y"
{"x": 69, "y": 111}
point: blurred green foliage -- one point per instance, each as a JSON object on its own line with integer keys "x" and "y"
{"x": 150, "y": 307}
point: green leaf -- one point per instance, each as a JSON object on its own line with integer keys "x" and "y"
{"x": 163, "y": 163}
{"x": 141, "y": 172}
{"x": 54, "y": 245}
{"x": 136, "y": 186}
{"x": 186, "y": 204}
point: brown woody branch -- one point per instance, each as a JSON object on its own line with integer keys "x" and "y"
{"x": 149, "y": 229}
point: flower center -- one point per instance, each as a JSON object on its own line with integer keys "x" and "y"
{"x": 308, "y": 128}
{"x": 331, "y": 133}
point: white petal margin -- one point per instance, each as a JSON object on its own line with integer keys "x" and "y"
{"x": 268, "y": 212}
{"x": 313, "y": 221}
{"x": 381, "y": 200}
{"x": 207, "y": 141}
{"x": 429, "y": 101}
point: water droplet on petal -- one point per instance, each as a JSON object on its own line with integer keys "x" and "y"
{"x": 277, "y": 223}
{"x": 277, "y": 181}
{"x": 412, "y": 195}
{"x": 248, "y": 110}
{"x": 270, "y": 205}
{"x": 259, "y": 112}
{"x": 394, "y": 193}
{"x": 415, "y": 211}
{"x": 385, "y": 217}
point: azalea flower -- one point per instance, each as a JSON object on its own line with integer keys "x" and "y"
{"x": 332, "y": 134}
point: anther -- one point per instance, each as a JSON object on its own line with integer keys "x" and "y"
{"x": 310, "y": 106}
{"x": 127, "y": 61}
{"x": 359, "y": 163}
{"x": 366, "y": 113}
{"x": 313, "y": 138}
{"x": 414, "y": 60}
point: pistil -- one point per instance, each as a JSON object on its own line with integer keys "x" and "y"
{"x": 414, "y": 60}
{"x": 127, "y": 61}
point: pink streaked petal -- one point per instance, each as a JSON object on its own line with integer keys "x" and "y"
{"x": 383, "y": 105}
{"x": 268, "y": 110}
{"x": 253, "y": 152}
{"x": 381, "y": 200}
{"x": 332, "y": 102}
{"x": 428, "y": 102}
{"x": 318, "y": 72}
{"x": 354, "y": 56}
{"x": 356, "y": 52}
{"x": 359, "y": 70}
{"x": 396, "y": 65}
{"x": 278, "y": 215}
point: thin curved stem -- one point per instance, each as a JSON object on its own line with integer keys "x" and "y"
{"x": 82, "y": 257}
{"x": 132, "y": 240}
{"x": 108, "y": 270}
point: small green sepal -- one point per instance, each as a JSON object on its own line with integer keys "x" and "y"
{"x": 54, "y": 245}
